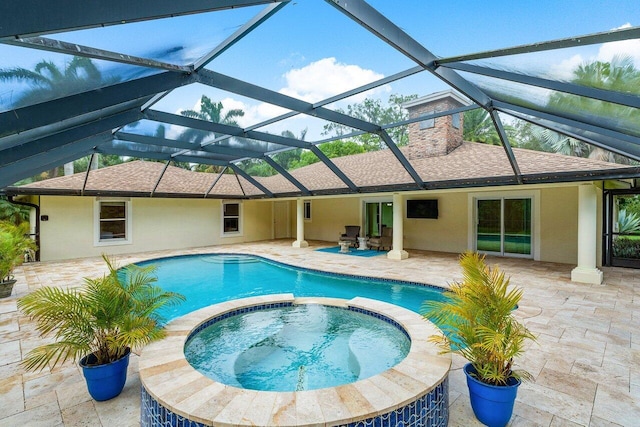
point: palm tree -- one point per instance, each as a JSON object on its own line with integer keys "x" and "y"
{"x": 619, "y": 75}
{"x": 556, "y": 143}
{"x": 48, "y": 81}
{"x": 212, "y": 112}
{"x": 478, "y": 127}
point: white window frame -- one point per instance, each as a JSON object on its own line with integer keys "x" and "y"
{"x": 240, "y": 221}
{"x": 306, "y": 206}
{"x": 128, "y": 240}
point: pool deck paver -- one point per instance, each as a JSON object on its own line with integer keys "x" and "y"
{"x": 586, "y": 360}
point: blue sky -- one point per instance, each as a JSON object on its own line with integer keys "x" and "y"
{"x": 311, "y": 51}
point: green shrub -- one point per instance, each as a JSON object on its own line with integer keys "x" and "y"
{"x": 626, "y": 248}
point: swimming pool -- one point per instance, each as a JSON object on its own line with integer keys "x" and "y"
{"x": 213, "y": 278}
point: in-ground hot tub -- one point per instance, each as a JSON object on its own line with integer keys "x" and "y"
{"x": 413, "y": 392}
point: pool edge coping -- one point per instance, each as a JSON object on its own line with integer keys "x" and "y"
{"x": 169, "y": 379}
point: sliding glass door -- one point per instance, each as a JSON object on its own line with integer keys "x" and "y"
{"x": 377, "y": 215}
{"x": 504, "y": 226}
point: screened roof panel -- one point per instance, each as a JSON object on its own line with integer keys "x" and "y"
{"x": 579, "y": 108}
{"x": 190, "y": 98}
{"x": 311, "y": 77}
{"x": 29, "y": 76}
{"x": 266, "y": 175}
{"x": 458, "y": 27}
{"x": 313, "y": 60}
{"x": 178, "y": 40}
{"x": 309, "y": 170}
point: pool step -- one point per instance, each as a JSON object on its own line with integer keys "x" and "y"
{"x": 230, "y": 259}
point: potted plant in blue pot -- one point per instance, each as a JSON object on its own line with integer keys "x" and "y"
{"x": 476, "y": 317}
{"x": 98, "y": 324}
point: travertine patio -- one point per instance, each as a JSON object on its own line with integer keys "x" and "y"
{"x": 586, "y": 361}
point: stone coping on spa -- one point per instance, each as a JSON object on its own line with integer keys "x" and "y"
{"x": 174, "y": 383}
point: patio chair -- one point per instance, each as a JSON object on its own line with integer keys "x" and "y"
{"x": 383, "y": 241}
{"x": 351, "y": 234}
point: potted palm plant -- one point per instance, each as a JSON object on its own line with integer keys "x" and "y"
{"x": 477, "y": 320}
{"x": 98, "y": 324}
{"x": 14, "y": 242}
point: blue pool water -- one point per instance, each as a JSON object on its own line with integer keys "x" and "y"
{"x": 294, "y": 348}
{"x": 210, "y": 279}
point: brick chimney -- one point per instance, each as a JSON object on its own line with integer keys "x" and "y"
{"x": 436, "y": 136}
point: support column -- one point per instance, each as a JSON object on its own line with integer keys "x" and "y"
{"x": 300, "y": 242}
{"x": 586, "y": 271}
{"x": 397, "y": 251}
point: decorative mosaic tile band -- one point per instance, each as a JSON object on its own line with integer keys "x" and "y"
{"x": 431, "y": 410}
{"x": 232, "y": 313}
{"x": 381, "y": 317}
{"x": 153, "y": 414}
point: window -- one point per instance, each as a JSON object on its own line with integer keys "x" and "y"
{"x": 428, "y": 123}
{"x": 307, "y": 210}
{"x": 112, "y": 222}
{"x": 455, "y": 120}
{"x": 231, "y": 218}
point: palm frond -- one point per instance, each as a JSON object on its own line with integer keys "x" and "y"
{"x": 477, "y": 322}
{"x": 108, "y": 315}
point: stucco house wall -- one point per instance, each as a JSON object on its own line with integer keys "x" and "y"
{"x": 156, "y": 224}
{"x": 183, "y": 223}
{"x": 329, "y": 216}
{"x": 555, "y": 220}
{"x": 559, "y": 221}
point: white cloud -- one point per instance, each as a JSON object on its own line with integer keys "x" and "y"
{"x": 327, "y": 77}
{"x": 564, "y": 70}
{"x": 312, "y": 82}
{"x": 630, "y": 48}
{"x": 606, "y": 52}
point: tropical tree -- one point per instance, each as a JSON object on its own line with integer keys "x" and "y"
{"x": 48, "y": 81}
{"x": 478, "y": 127}
{"x": 13, "y": 213}
{"x": 618, "y": 75}
{"x": 373, "y": 111}
{"x": 161, "y": 132}
{"x": 331, "y": 149}
{"x": 558, "y": 143}
{"x": 212, "y": 112}
{"x": 286, "y": 159}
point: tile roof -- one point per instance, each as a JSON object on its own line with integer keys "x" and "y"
{"x": 471, "y": 162}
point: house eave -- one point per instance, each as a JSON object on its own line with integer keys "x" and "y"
{"x": 495, "y": 181}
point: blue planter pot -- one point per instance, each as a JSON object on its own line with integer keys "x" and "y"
{"x": 105, "y": 381}
{"x": 492, "y": 405}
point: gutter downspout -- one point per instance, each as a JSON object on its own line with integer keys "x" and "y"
{"x": 37, "y": 208}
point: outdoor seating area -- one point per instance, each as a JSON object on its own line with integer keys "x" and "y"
{"x": 350, "y": 235}
{"x": 383, "y": 241}
{"x": 254, "y": 133}
{"x": 583, "y": 362}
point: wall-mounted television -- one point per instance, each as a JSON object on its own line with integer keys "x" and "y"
{"x": 422, "y": 208}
